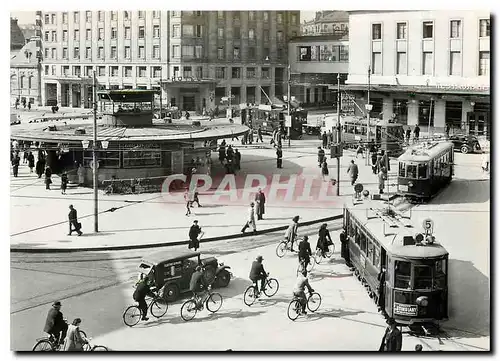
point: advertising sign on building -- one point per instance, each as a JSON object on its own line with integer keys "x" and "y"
{"x": 347, "y": 102}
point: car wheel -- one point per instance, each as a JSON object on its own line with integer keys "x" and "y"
{"x": 223, "y": 278}
{"x": 464, "y": 149}
{"x": 170, "y": 292}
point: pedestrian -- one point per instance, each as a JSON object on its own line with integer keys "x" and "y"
{"x": 324, "y": 170}
{"x": 408, "y": 135}
{"x": 291, "y": 232}
{"x": 393, "y": 338}
{"x": 31, "y": 162}
{"x": 259, "y": 134}
{"x": 74, "y": 338}
{"x": 374, "y": 157}
{"x": 447, "y": 130}
{"x": 25, "y": 156}
{"x": 208, "y": 163}
{"x": 196, "y": 198}
{"x": 382, "y": 176}
{"x": 187, "y": 199}
{"x": 324, "y": 139}
{"x": 381, "y": 290}
{"x": 321, "y": 156}
{"x": 15, "y": 164}
{"x": 237, "y": 159}
{"x": 273, "y": 136}
{"x": 260, "y": 200}
{"x": 344, "y": 248}
{"x": 74, "y": 225}
{"x": 194, "y": 232}
{"x": 330, "y": 138}
{"x": 64, "y": 183}
{"x": 29, "y": 105}
{"x": 279, "y": 157}
{"x": 353, "y": 171}
{"x": 485, "y": 162}
{"x": 222, "y": 154}
{"x": 48, "y": 179}
{"x": 17, "y": 103}
{"x": 81, "y": 175}
{"x": 360, "y": 150}
{"x": 250, "y": 219}
{"x": 229, "y": 153}
{"x": 40, "y": 166}
{"x": 416, "y": 133}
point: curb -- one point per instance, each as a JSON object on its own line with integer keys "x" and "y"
{"x": 170, "y": 244}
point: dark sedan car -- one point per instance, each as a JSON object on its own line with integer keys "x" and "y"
{"x": 465, "y": 143}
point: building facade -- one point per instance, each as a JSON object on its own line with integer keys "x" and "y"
{"x": 194, "y": 57}
{"x": 25, "y": 75}
{"x": 423, "y": 67}
{"x": 326, "y": 22}
{"x": 315, "y": 62}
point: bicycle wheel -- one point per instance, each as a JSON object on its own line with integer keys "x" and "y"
{"x": 82, "y": 333}
{"x": 132, "y": 316}
{"x": 272, "y": 287}
{"x": 293, "y": 310}
{"x": 281, "y": 249}
{"x": 99, "y": 348}
{"x": 214, "y": 302}
{"x": 331, "y": 250}
{"x": 310, "y": 265}
{"x": 249, "y": 296}
{"x": 313, "y": 302}
{"x": 43, "y": 345}
{"x": 188, "y": 310}
{"x": 158, "y": 308}
{"x": 317, "y": 256}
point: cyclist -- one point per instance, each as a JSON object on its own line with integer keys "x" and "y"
{"x": 305, "y": 252}
{"x": 74, "y": 340}
{"x": 140, "y": 293}
{"x": 55, "y": 325}
{"x": 196, "y": 283}
{"x": 291, "y": 232}
{"x": 298, "y": 291}
{"x": 324, "y": 239}
{"x": 257, "y": 273}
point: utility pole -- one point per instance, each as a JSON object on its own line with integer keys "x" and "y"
{"x": 288, "y": 99}
{"x": 368, "y": 109}
{"x": 94, "y": 157}
{"x": 430, "y": 117}
{"x": 338, "y": 133}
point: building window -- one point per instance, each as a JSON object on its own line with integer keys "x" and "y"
{"x": 198, "y": 53}
{"x": 127, "y": 32}
{"x": 426, "y": 111}
{"x": 127, "y": 52}
{"x": 141, "y": 71}
{"x": 220, "y": 73}
{"x": 76, "y": 53}
{"x": 279, "y": 18}
{"x": 251, "y": 15}
{"x": 236, "y": 73}
{"x": 47, "y": 33}
{"x": 156, "y": 52}
{"x": 76, "y": 17}
{"x": 197, "y": 13}
{"x": 250, "y": 73}
{"x": 113, "y": 52}
{"x": 484, "y": 63}
{"x": 455, "y": 29}
{"x": 113, "y": 71}
{"x": 265, "y": 73}
{"x": 100, "y": 16}
{"x": 455, "y": 63}
{"x": 76, "y": 35}
{"x": 279, "y": 36}
{"x": 100, "y": 52}
{"x": 266, "y": 53}
{"x": 114, "y": 15}
{"x": 176, "y": 51}
{"x": 125, "y": 15}
{"x": 65, "y": 18}
{"x": 156, "y": 14}
{"x": 53, "y": 70}
{"x": 236, "y": 15}
{"x": 156, "y": 31}
{"x": 251, "y": 34}
{"x": 54, "y": 53}
{"x": 174, "y": 14}
{"x": 47, "y": 19}
{"x": 199, "y": 31}
{"x": 65, "y": 35}
{"x": 101, "y": 34}
{"x": 220, "y": 53}
{"x": 46, "y": 70}
{"x": 484, "y": 28}
{"x": 293, "y": 19}
{"x": 47, "y": 53}
{"x": 377, "y": 63}
{"x": 401, "y": 63}
{"x": 281, "y": 53}
{"x": 199, "y": 72}
{"x": 400, "y": 108}
{"x": 65, "y": 70}
{"x": 265, "y": 34}
{"x": 157, "y": 72}
{"x": 236, "y": 32}
{"x": 266, "y": 16}
{"x": 187, "y": 30}
{"x": 220, "y": 33}
{"x": 53, "y": 19}
{"x": 88, "y": 34}
{"x": 140, "y": 14}
{"x": 142, "y": 53}
{"x": 101, "y": 71}
{"x": 114, "y": 33}
{"x": 88, "y": 70}
{"x": 220, "y": 15}
{"x": 88, "y": 16}
{"x": 187, "y": 51}
{"x": 401, "y": 31}
{"x": 141, "y": 32}
{"x": 344, "y": 53}
{"x": 54, "y": 36}
{"x": 427, "y": 63}
{"x": 187, "y": 72}
{"x": 427, "y": 30}
{"x": 88, "y": 52}
{"x": 236, "y": 53}
{"x": 65, "y": 53}
{"x": 251, "y": 52}
{"x": 176, "y": 31}
{"x": 376, "y": 31}
{"x": 127, "y": 71}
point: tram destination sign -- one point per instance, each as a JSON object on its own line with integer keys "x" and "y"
{"x": 405, "y": 310}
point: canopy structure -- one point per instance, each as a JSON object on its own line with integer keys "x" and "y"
{"x": 127, "y": 95}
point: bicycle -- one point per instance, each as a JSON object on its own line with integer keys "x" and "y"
{"x": 295, "y": 308}
{"x": 157, "y": 307}
{"x": 309, "y": 267}
{"x": 251, "y": 293}
{"x": 212, "y": 301}
{"x": 285, "y": 246}
{"x": 318, "y": 257}
{"x": 50, "y": 343}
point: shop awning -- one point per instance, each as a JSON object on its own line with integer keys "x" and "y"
{"x": 441, "y": 89}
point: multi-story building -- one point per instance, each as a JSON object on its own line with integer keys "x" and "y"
{"x": 326, "y": 22}
{"x": 194, "y": 57}
{"x": 423, "y": 67}
{"x": 315, "y": 62}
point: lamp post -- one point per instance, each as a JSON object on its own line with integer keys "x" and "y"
{"x": 368, "y": 107}
{"x": 429, "y": 135}
{"x": 288, "y": 100}
{"x": 338, "y": 133}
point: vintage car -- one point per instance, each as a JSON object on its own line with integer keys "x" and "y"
{"x": 465, "y": 143}
{"x": 171, "y": 271}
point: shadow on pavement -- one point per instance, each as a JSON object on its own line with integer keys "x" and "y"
{"x": 462, "y": 191}
{"x": 236, "y": 287}
{"x": 205, "y": 316}
{"x": 322, "y": 313}
{"x": 315, "y": 276}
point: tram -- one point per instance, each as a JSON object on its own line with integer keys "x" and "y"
{"x": 424, "y": 169}
{"x": 415, "y": 291}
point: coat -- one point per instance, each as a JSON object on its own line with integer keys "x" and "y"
{"x": 291, "y": 232}
{"x": 260, "y": 200}
{"x": 324, "y": 169}
{"x": 392, "y": 341}
{"x": 251, "y": 216}
{"x": 31, "y": 160}
{"x": 141, "y": 291}
{"x": 321, "y": 155}
{"x": 304, "y": 250}
{"x": 40, "y": 166}
{"x": 73, "y": 341}
{"x": 54, "y": 321}
{"x": 72, "y": 215}
{"x": 323, "y": 238}
{"x": 353, "y": 170}
{"x": 257, "y": 270}
{"x": 194, "y": 231}
{"x": 381, "y": 180}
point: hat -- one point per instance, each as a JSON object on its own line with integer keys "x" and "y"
{"x": 252, "y": 204}
{"x": 259, "y": 258}
{"x": 391, "y": 321}
{"x": 195, "y": 221}
{"x": 57, "y": 303}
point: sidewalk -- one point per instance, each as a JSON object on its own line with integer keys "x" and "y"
{"x": 39, "y": 216}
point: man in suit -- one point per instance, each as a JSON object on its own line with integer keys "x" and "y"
{"x": 260, "y": 199}
{"x": 55, "y": 324}
{"x": 393, "y": 338}
{"x": 251, "y": 219}
{"x": 257, "y": 273}
{"x": 73, "y": 221}
{"x": 279, "y": 157}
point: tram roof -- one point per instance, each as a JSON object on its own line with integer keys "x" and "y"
{"x": 370, "y": 214}
{"x": 127, "y": 95}
{"x": 425, "y": 151}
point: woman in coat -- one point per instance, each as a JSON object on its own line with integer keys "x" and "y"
{"x": 40, "y": 166}
{"x": 48, "y": 175}
{"x": 324, "y": 239}
{"x": 64, "y": 183}
{"x": 324, "y": 170}
{"x": 31, "y": 162}
{"x": 74, "y": 340}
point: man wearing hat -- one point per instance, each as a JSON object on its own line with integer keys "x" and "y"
{"x": 251, "y": 219}
{"x": 196, "y": 284}
{"x": 393, "y": 339}
{"x": 194, "y": 232}
{"x": 257, "y": 272}
{"x": 55, "y": 324}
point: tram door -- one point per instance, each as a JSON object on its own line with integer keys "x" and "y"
{"x": 389, "y": 279}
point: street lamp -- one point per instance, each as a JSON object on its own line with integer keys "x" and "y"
{"x": 288, "y": 107}
{"x": 368, "y": 108}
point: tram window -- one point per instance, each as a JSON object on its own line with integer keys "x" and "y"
{"x": 370, "y": 251}
{"x": 402, "y": 272}
{"x": 376, "y": 257}
{"x": 363, "y": 240}
{"x": 411, "y": 171}
{"x": 402, "y": 168}
{"x": 357, "y": 236}
{"x": 363, "y": 130}
{"x": 422, "y": 170}
{"x": 423, "y": 277}
{"x": 440, "y": 274}
{"x": 402, "y": 297}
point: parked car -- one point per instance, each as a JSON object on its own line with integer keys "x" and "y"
{"x": 465, "y": 143}
{"x": 171, "y": 271}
